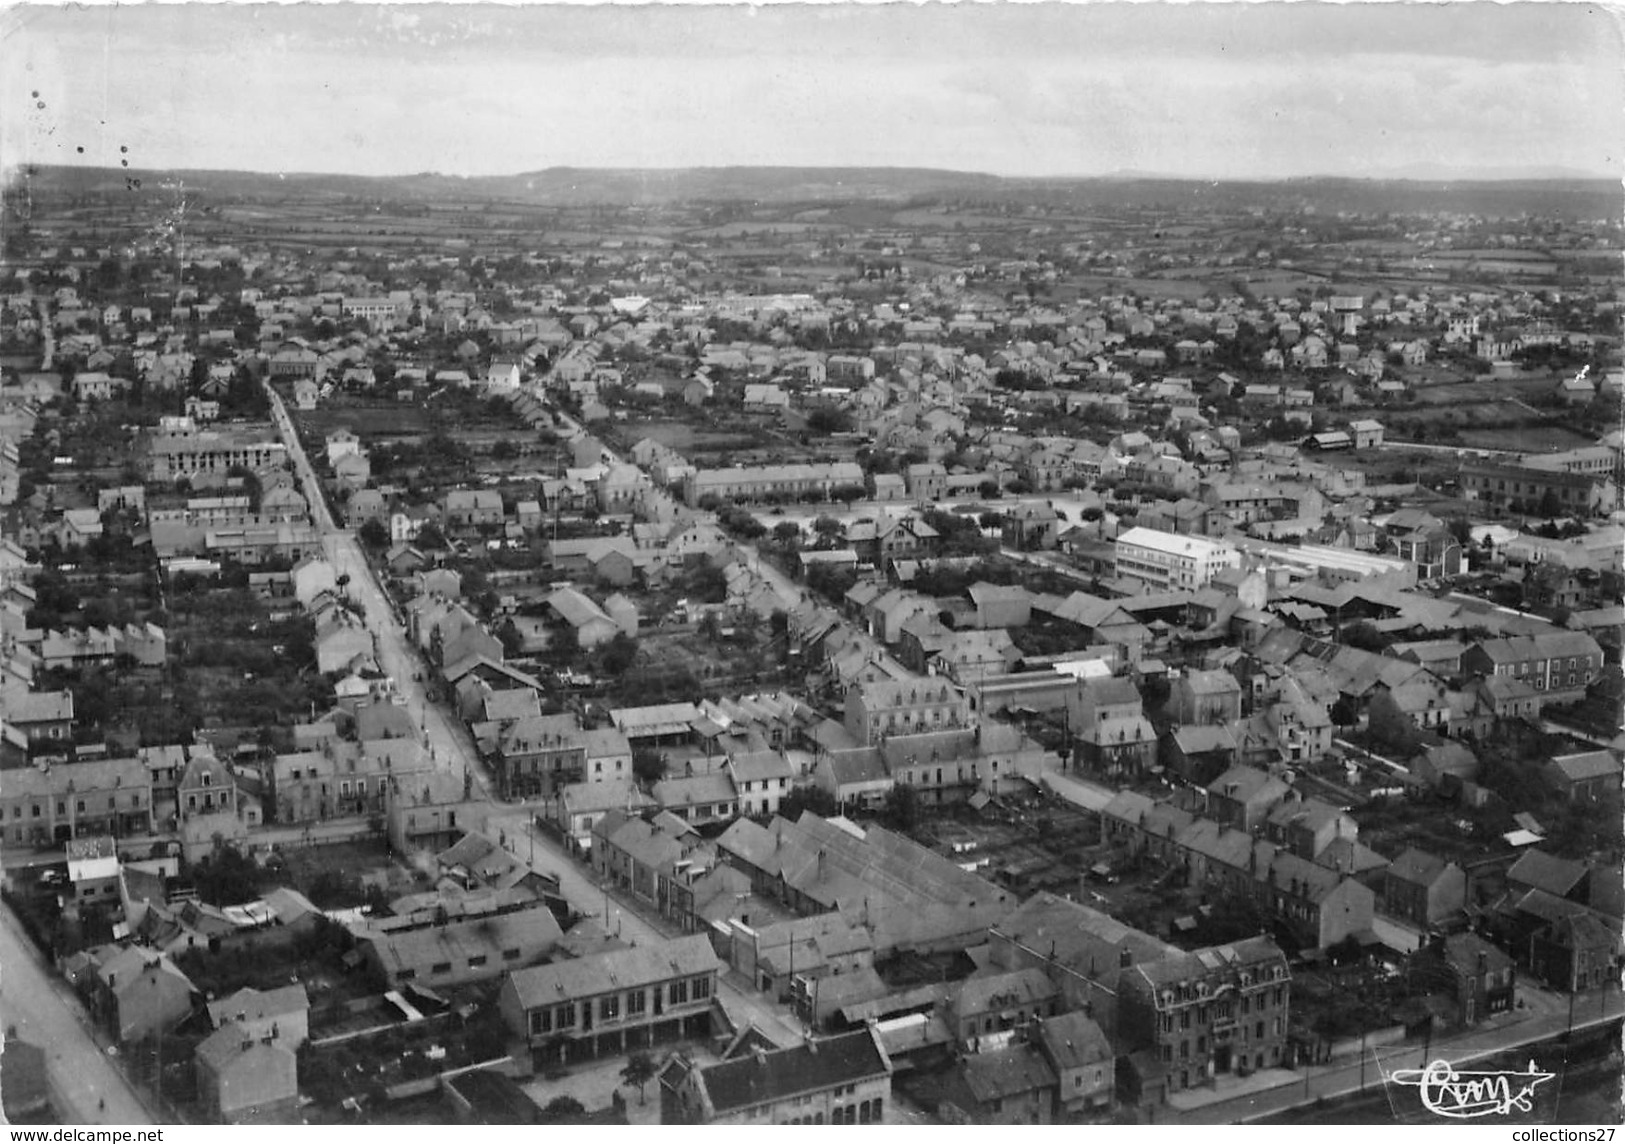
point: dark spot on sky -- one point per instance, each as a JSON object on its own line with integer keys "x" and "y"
{"x": 81, "y": 150}
{"x": 33, "y": 95}
{"x": 40, "y": 105}
{"x": 123, "y": 150}
{"x": 123, "y": 162}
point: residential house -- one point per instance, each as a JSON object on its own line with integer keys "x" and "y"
{"x": 1560, "y": 664}
{"x": 579, "y": 806}
{"x": 1483, "y": 977}
{"x": 1194, "y": 1016}
{"x": 698, "y": 798}
{"x": 1242, "y": 798}
{"x": 1423, "y": 889}
{"x": 1111, "y": 734}
{"x": 247, "y": 1079}
{"x": 880, "y": 709}
{"x": 282, "y": 1013}
{"x": 1012, "y": 1085}
{"x": 1084, "y": 1063}
{"x": 422, "y": 809}
{"x": 62, "y": 802}
{"x": 983, "y": 1010}
{"x": 762, "y": 780}
{"x": 1589, "y": 776}
{"x": 844, "y": 1079}
{"x": 140, "y": 994}
{"x": 1205, "y": 697}
{"x": 539, "y": 754}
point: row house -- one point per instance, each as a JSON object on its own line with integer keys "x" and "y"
{"x": 1323, "y": 905}
{"x": 1502, "y": 485}
{"x": 1560, "y": 664}
{"x": 189, "y": 452}
{"x": 57, "y": 804}
{"x": 145, "y": 644}
{"x": 879, "y": 709}
{"x": 638, "y": 853}
{"x": 952, "y": 766}
{"x": 340, "y": 779}
{"x": 845, "y": 1079}
{"x": 771, "y": 481}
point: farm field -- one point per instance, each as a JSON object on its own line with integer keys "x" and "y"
{"x": 1531, "y": 439}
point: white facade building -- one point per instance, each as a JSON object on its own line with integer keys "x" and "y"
{"x": 1165, "y": 561}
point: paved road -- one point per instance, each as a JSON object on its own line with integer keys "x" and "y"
{"x": 451, "y": 748}
{"x": 45, "y": 1012}
{"x": 47, "y": 334}
{"x": 634, "y": 921}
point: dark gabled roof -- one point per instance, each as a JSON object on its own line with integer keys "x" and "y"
{"x": 1462, "y": 951}
{"x": 1587, "y": 765}
{"x": 1018, "y": 1069}
{"x": 812, "y": 1067}
{"x": 1542, "y": 871}
{"x": 1417, "y": 866}
{"x": 1074, "y": 1040}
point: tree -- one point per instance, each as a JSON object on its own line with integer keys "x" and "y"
{"x": 619, "y": 654}
{"x": 902, "y": 809}
{"x": 828, "y": 419}
{"x": 1392, "y": 729}
{"x": 827, "y": 526}
{"x": 564, "y": 1110}
{"x": 504, "y": 450}
{"x": 815, "y": 799}
{"x": 1365, "y": 636}
{"x": 787, "y": 533}
{"x": 374, "y": 533}
{"x": 639, "y": 1070}
{"x": 512, "y": 640}
{"x": 648, "y": 765}
{"x": 430, "y": 538}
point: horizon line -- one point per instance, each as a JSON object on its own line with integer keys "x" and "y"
{"x": 9, "y": 173}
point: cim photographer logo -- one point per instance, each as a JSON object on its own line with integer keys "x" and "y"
{"x": 1469, "y": 1095}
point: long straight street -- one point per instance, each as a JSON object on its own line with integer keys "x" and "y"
{"x": 453, "y": 751}
{"x": 85, "y": 1086}
{"x": 449, "y": 746}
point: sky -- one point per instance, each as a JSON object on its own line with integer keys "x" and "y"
{"x": 1208, "y": 90}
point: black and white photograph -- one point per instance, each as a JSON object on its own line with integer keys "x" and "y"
{"x": 925, "y": 565}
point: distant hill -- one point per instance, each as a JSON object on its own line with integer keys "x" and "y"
{"x": 572, "y": 186}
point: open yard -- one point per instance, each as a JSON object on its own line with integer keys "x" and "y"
{"x": 685, "y": 437}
